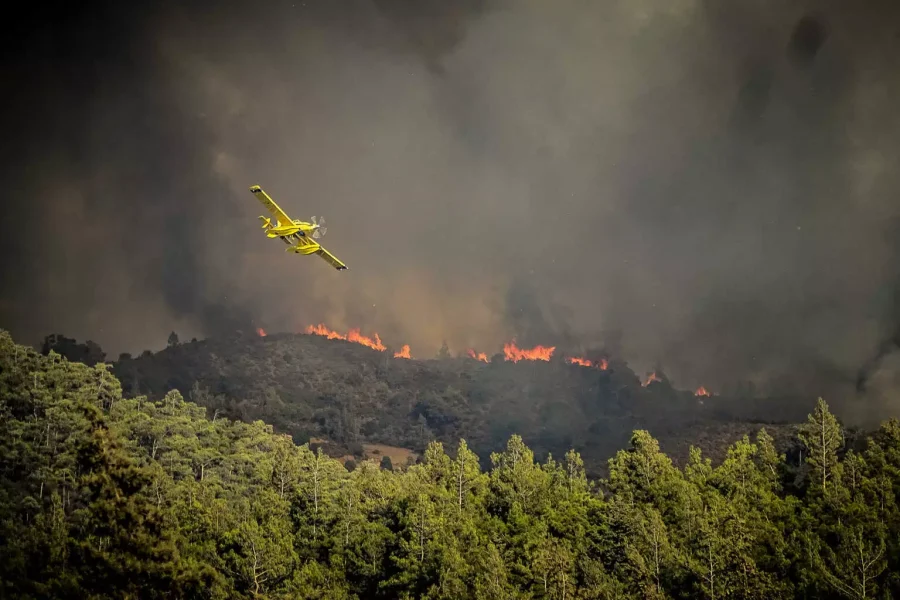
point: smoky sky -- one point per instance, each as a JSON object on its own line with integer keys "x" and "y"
{"x": 707, "y": 187}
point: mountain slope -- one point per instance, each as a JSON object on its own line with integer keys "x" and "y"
{"x": 310, "y": 386}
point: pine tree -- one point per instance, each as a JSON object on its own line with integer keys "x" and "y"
{"x": 823, "y": 437}
{"x": 119, "y": 541}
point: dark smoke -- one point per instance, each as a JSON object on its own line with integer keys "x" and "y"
{"x": 806, "y": 40}
{"x": 533, "y": 320}
{"x": 701, "y": 186}
{"x": 430, "y": 28}
{"x": 890, "y": 344}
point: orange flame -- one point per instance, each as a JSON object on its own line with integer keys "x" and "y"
{"x": 653, "y": 377}
{"x": 260, "y": 332}
{"x": 352, "y": 336}
{"x": 602, "y": 364}
{"x": 403, "y": 353}
{"x": 325, "y": 332}
{"x": 479, "y": 356}
{"x": 702, "y": 391}
{"x": 575, "y": 360}
{"x": 515, "y": 354}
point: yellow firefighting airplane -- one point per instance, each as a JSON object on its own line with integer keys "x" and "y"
{"x": 291, "y": 231}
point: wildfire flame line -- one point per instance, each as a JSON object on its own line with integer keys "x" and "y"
{"x": 511, "y": 352}
{"x": 260, "y": 332}
{"x": 352, "y": 336}
{"x": 601, "y": 364}
{"x": 653, "y": 377}
{"x": 514, "y": 354}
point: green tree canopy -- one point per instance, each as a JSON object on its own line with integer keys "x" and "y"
{"x": 110, "y": 496}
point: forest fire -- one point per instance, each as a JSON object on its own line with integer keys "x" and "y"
{"x": 260, "y": 332}
{"x": 574, "y": 360}
{"x": 511, "y": 351}
{"x": 477, "y": 356}
{"x": 352, "y": 336}
{"x": 601, "y": 364}
{"x": 514, "y": 354}
{"x": 650, "y": 379}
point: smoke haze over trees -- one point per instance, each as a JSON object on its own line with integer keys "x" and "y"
{"x": 706, "y": 186}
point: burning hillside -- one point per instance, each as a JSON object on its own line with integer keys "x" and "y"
{"x": 347, "y": 392}
{"x": 514, "y": 354}
{"x": 353, "y": 335}
{"x": 601, "y": 364}
{"x": 356, "y": 337}
{"x": 511, "y": 352}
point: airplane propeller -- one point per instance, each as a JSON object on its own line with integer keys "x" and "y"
{"x": 320, "y": 227}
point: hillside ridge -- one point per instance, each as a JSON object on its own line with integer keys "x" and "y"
{"x": 349, "y": 394}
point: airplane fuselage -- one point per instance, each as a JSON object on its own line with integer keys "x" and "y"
{"x": 291, "y": 233}
{"x": 285, "y": 230}
{"x": 297, "y": 228}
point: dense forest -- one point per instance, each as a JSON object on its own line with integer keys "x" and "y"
{"x": 350, "y": 395}
{"x": 108, "y": 496}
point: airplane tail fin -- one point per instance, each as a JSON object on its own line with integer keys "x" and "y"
{"x": 266, "y": 222}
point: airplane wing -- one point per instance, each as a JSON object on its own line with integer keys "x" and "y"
{"x": 331, "y": 259}
{"x": 306, "y": 245}
{"x": 276, "y": 211}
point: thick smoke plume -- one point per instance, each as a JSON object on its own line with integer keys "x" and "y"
{"x": 706, "y": 186}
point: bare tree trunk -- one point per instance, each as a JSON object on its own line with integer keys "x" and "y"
{"x": 255, "y": 569}
{"x": 422, "y": 536}
{"x": 824, "y": 455}
{"x": 460, "y": 486}
{"x": 656, "y": 558}
{"x": 347, "y": 521}
{"x": 316, "y": 495}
